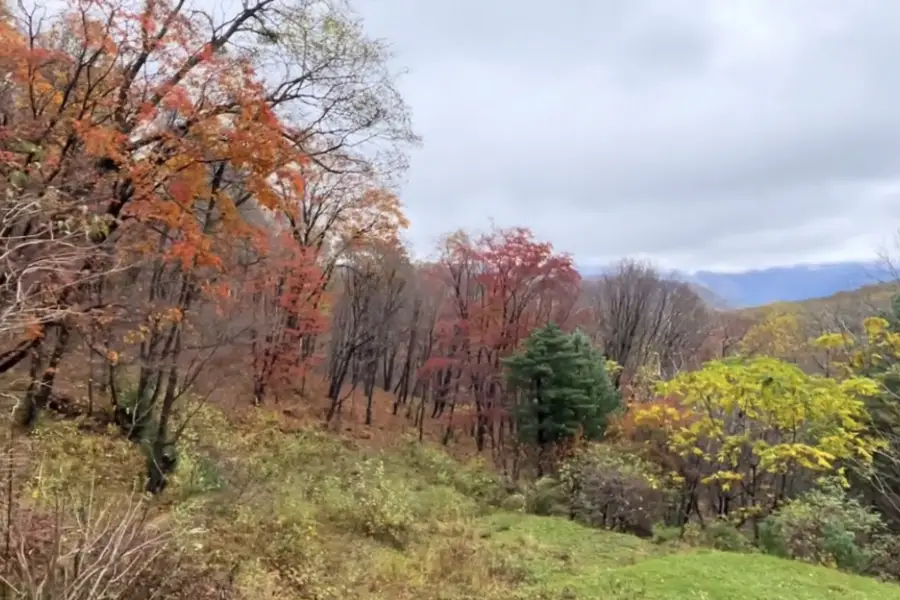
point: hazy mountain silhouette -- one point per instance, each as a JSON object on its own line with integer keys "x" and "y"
{"x": 788, "y": 284}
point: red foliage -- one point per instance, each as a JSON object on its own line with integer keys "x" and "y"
{"x": 494, "y": 290}
{"x": 285, "y": 293}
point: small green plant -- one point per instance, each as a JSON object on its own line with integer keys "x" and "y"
{"x": 664, "y": 534}
{"x": 822, "y": 526}
{"x": 374, "y": 505}
{"x": 546, "y": 497}
{"x": 723, "y": 535}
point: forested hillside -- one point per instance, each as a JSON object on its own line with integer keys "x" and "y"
{"x": 226, "y": 377}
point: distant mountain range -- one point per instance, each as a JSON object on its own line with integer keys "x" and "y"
{"x": 781, "y": 284}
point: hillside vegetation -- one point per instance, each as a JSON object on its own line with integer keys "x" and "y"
{"x": 226, "y": 378}
{"x": 259, "y": 513}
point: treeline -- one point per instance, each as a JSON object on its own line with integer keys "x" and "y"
{"x": 198, "y": 206}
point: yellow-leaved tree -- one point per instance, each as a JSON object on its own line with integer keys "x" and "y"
{"x": 875, "y": 354}
{"x": 780, "y": 334}
{"x": 743, "y": 434}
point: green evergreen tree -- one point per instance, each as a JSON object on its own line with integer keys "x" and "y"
{"x": 561, "y": 386}
{"x": 604, "y": 398}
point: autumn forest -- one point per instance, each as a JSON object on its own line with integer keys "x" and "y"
{"x": 205, "y": 292}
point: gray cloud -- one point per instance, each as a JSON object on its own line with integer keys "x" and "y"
{"x": 701, "y": 134}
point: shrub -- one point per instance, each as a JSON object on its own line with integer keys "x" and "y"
{"x": 611, "y": 489}
{"x": 473, "y": 479}
{"x": 442, "y": 503}
{"x": 665, "y": 534}
{"x": 822, "y": 526}
{"x": 546, "y": 497}
{"x": 884, "y": 561}
{"x": 373, "y": 504}
{"x": 515, "y": 503}
{"x": 720, "y": 534}
{"x": 83, "y": 551}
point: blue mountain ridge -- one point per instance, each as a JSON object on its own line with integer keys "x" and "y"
{"x": 779, "y": 284}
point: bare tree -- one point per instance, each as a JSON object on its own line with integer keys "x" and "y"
{"x": 372, "y": 283}
{"x": 641, "y": 317}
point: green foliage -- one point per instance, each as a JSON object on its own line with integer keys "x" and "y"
{"x": 720, "y": 534}
{"x": 473, "y": 479}
{"x": 563, "y": 559}
{"x": 666, "y": 534}
{"x": 68, "y": 460}
{"x": 515, "y": 503}
{"x": 884, "y": 561}
{"x": 877, "y": 356}
{"x": 546, "y": 497}
{"x": 563, "y": 387}
{"x": 822, "y": 526}
{"x": 293, "y": 516}
{"x": 373, "y": 504}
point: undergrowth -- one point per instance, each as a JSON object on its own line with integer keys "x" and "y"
{"x": 253, "y": 512}
{"x": 266, "y": 514}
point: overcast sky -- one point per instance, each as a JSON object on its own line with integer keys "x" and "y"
{"x": 698, "y": 133}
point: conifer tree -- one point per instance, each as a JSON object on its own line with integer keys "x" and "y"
{"x": 561, "y": 387}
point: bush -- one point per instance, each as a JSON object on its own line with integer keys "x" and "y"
{"x": 720, "y": 534}
{"x": 546, "y": 497}
{"x": 473, "y": 479}
{"x": 515, "y": 503}
{"x": 83, "y": 551}
{"x": 614, "y": 490}
{"x": 373, "y": 504}
{"x": 884, "y": 561}
{"x": 822, "y": 526}
{"x": 665, "y": 534}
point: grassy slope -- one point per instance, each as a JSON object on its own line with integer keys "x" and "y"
{"x": 576, "y": 562}
{"x": 311, "y": 515}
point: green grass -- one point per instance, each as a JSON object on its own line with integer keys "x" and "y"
{"x": 719, "y": 575}
{"x": 566, "y": 560}
{"x": 309, "y": 515}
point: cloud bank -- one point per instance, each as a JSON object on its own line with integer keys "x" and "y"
{"x": 697, "y": 133}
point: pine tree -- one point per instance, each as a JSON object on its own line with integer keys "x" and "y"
{"x": 603, "y": 396}
{"x": 562, "y": 387}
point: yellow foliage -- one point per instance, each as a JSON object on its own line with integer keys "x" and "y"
{"x": 879, "y": 347}
{"x": 612, "y": 367}
{"x": 780, "y": 334}
{"x": 762, "y": 413}
{"x": 833, "y": 341}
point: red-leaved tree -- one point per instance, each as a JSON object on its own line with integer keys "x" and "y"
{"x": 496, "y": 288}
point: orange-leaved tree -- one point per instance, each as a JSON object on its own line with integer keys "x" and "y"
{"x": 143, "y": 151}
